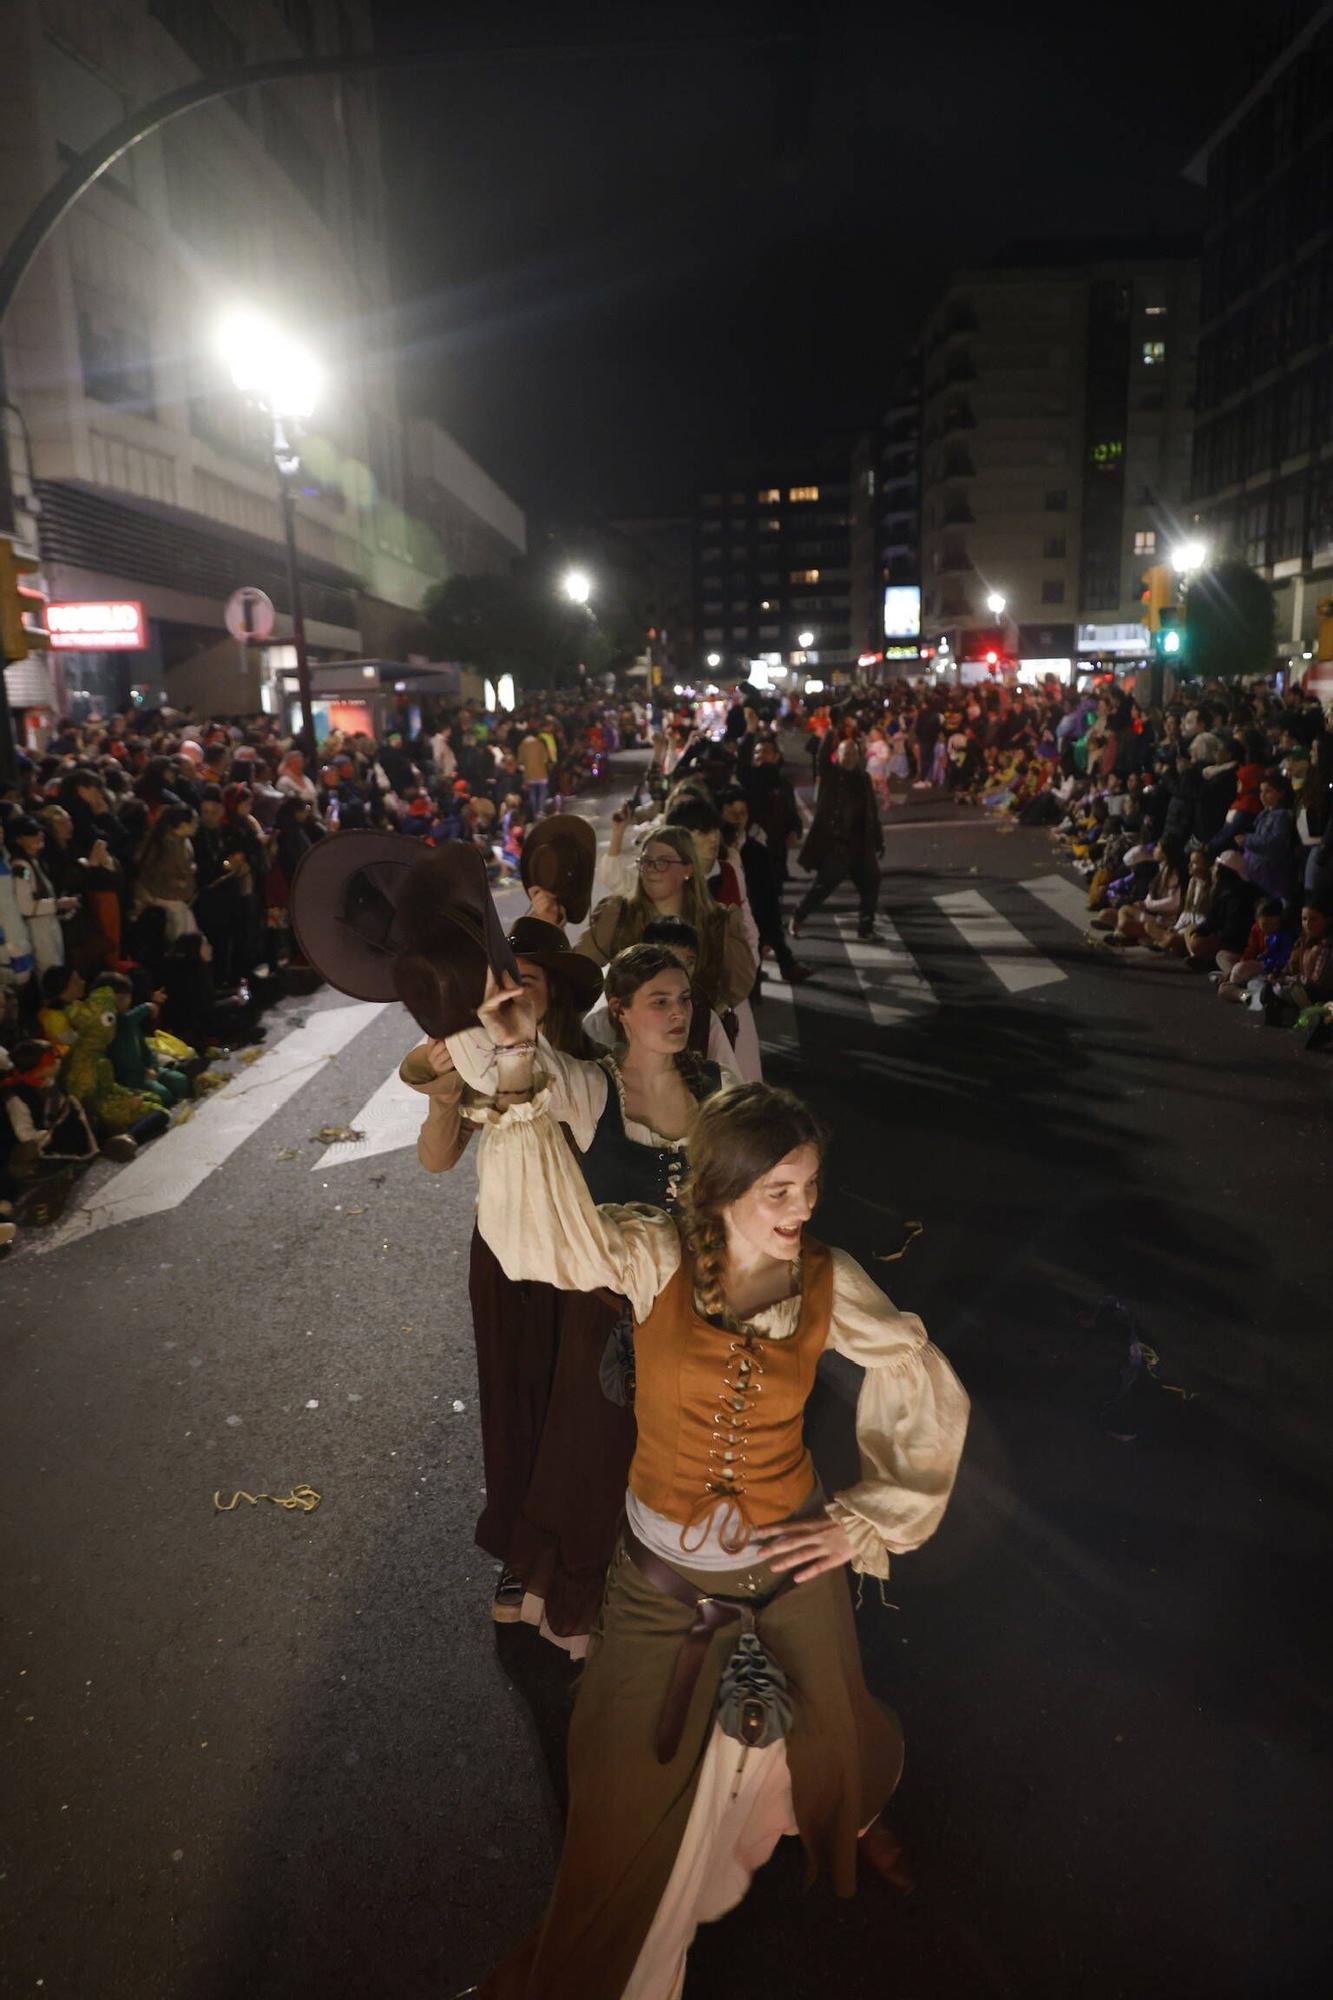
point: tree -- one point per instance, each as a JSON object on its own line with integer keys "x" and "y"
{"x": 521, "y": 625}
{"x": 1229, "y": 615}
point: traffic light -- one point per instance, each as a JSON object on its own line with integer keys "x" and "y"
{"x": 21, "y": 606}
{"x": 1159, "y": 588}
{"x": 1169, "y": 638}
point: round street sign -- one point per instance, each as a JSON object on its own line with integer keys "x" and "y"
{"x": 249, "y": 614}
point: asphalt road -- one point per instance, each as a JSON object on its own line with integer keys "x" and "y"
{"x": 266, "y": 1753}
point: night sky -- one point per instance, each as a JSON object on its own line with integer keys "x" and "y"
{"x": 613, "y": 270}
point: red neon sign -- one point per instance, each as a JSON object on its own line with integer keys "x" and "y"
{"x": 103, "y": 627}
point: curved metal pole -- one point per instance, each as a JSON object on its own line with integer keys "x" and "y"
{"x": 81, "y": 173}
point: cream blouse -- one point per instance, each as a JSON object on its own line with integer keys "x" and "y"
{"x": 535, "y": 1211}
{"x": 576, "y": 1090}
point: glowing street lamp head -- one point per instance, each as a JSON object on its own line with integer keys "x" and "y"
{"x": 576, "y": 585}
{"x": 1189, "y": 557}
{"x": 269, "y": 365}
{"x": 714, "y": 660}
{"x": 995, "y": 603}
{"x": 805, "y": 639}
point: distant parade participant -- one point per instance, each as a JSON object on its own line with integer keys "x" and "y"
{"x": 845, "y": 838}
{"x": 723, "y": 1704}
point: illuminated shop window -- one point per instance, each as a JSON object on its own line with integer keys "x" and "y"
{"x": 805, "y": 576}
{"x": 803, "y": 493}
{"x": 1154, "y": 353}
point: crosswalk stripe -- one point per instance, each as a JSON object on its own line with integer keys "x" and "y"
{"x": 1066, "y": 899}
{"x": 390, "y": 1119}
{"x": 168, "y": 1171}
{"x": 1016, "y": 963}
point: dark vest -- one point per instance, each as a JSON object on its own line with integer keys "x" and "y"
{"x": 618, "y": 1168}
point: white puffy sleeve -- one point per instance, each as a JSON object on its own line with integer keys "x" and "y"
{"x": 577, "y": 1090}
{"x": 534, "y": 1209}
{"x": 617, "y": 874}
{"x": 911, "y": 1419}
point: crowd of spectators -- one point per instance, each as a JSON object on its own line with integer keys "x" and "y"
{"x": 146, "y": 865}
{"x": 1203, "y": 828}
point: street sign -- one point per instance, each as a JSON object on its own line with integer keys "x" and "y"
{"x": 249, "y": 615}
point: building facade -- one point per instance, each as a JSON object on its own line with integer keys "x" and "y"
{"x": 138, "y": 471}
{"x": 1263, "y": 452}
{"x": 772, "y": 564}
{"x": 1057, "y": 416}
{"x": 886, "y": 530}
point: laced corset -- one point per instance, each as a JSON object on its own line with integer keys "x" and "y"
{"x": 720, "y": 1415}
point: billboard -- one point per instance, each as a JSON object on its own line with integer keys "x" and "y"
{"x": 902, "y": 610}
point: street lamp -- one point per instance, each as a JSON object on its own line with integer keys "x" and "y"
{"x": 714, "y": 660}
{"x": 576, "y": 585}
{"x": 805, "y": 640}
{"x": 285, "y": 379}
{"x": 1189, "y": 557}
{"x": 995, "y": 603}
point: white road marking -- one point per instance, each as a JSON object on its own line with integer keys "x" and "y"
{"x": 886, "y": 972}
{"x": 1065, "y": 898}
{"x": 169, "y": 1170}
{"x": 390, "y": 1120}
{"x": 1016, "y": 963}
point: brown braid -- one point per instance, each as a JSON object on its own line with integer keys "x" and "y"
{"x": 739, "y": 1135}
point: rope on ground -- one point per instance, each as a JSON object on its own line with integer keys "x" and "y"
{"x": 303, "y": 1497}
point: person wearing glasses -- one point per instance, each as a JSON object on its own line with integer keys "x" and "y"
{"x": 670, "y": 885}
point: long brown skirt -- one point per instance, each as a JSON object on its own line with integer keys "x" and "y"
{"x": 628, "y": 1813}
{"x": 556, "y": 1452}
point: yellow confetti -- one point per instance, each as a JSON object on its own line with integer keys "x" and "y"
{"x": 303, "y": 1498}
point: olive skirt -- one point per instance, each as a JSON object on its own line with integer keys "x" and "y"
{"x": 628, "y": 1813}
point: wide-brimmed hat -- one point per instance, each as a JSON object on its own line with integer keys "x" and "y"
{"x": 383, "y": 921}
{"x": 560, "y": 855}
{"x": 547, "y": 945}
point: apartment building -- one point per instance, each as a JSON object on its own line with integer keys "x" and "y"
{"x": 772, "y": 568}
{"x": 886, "y": 530}
{"x": 1263, "y": 448}
{"x": 138, "y": 470}
{"x": 1057, "y": 418}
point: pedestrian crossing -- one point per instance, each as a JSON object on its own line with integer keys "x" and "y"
{"x": 878, "y": 983}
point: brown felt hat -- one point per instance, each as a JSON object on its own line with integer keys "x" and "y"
{"x": 383, "y": 921}
{"x": 548, "y": 947}
{"x": 560, "y": 854}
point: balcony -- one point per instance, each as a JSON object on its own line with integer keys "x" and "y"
{"x": 957, "y": 511}
{"x": 960, "y": 367}
{"x": 958, "y": 416}
{"x": 958, "y": 463}
{"x": 955, "y": 561}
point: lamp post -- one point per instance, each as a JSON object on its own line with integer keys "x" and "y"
{"x": 576, "y": 585}
{"x": 284, "y": 379}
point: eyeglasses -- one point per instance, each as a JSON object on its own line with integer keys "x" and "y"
{"x": 655, "y": 864}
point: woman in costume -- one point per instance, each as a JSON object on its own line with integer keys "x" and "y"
{"x": 670, "y": 885}
{"x": 555, "y": 1368}
{"x": 723, "y": 1704}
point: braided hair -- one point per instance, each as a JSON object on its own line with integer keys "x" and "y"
{"x": 738, "y": 1136}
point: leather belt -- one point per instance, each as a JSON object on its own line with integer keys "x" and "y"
{"x": 710, "y": 1615}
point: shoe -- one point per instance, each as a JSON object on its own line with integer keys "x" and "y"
{"x": 868, "y": 934}
{"x": 796, "y": 973}
{"x": 507, "y": 1603}
{"x": 793, "y": 927}
{"x": 121, "y": 1146}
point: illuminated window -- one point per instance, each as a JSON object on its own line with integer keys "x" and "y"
{"x": 805, "y": 576}
{"x": 770, "y": 525}
{"x": 769, "y": 496}
{"x": 1108, "y": 456}
{"x": 1155, "y": 312}
{"x": 1154, "y": 353}
{"x": 1145, "y": 541}
{"x": 803, "y": 493}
